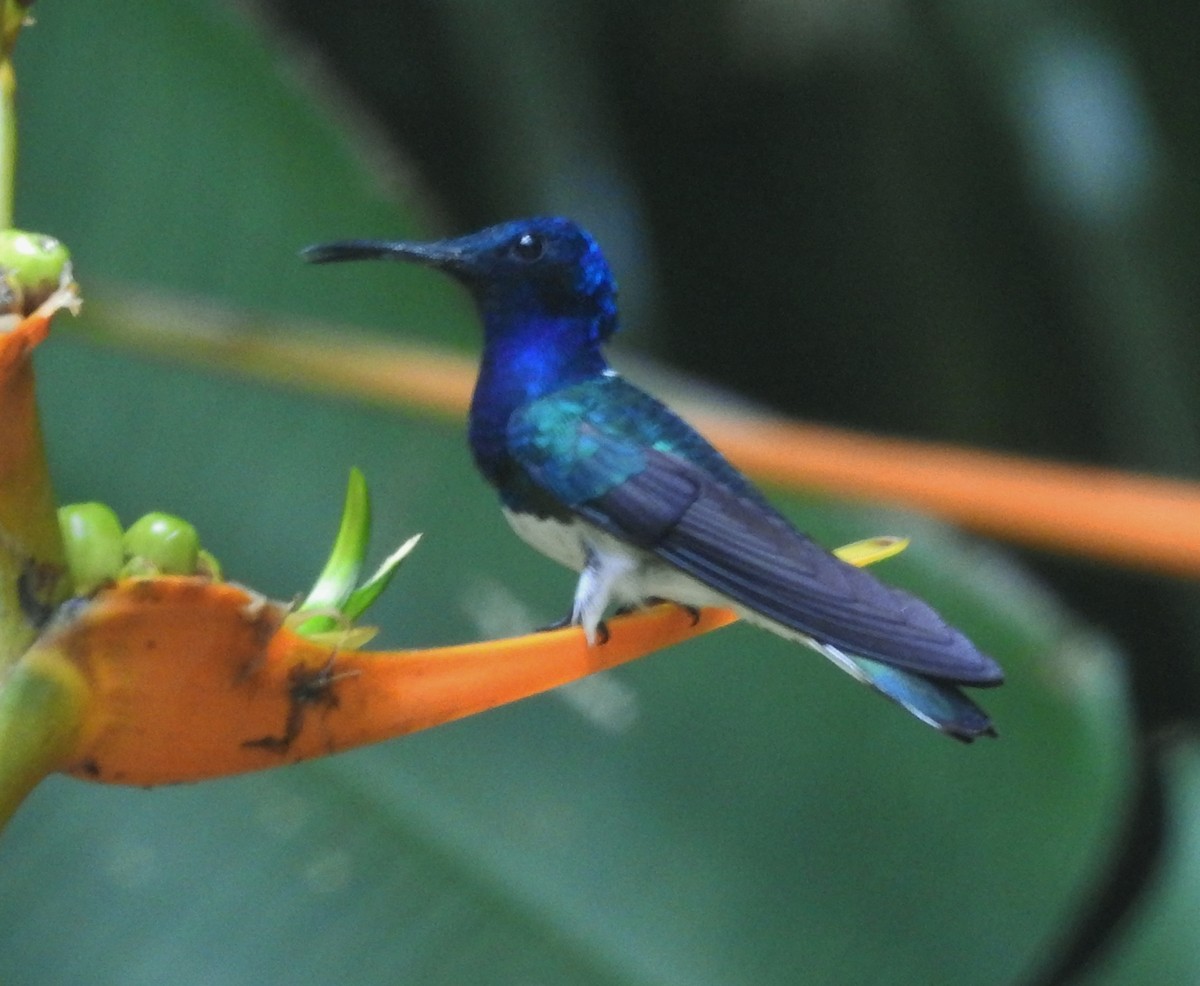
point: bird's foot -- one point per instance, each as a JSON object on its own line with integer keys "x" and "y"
{"x": 570, "y": 621}
{"x": 692, "y": 611}
{"x": 566, "y": 621}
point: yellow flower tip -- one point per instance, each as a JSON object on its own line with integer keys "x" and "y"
{"x": 20, "y": 336}
{"x": 64, "y": 298}
{"x": 871, "y": 550}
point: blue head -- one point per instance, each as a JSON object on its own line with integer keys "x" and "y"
{"x": 548, "y": 302}
{"x": 544, "y": 268}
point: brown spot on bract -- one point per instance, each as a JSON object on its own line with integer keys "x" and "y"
{"x": 37, "y": 587}
{"x": 144, "y": 590}
{"x": 307, "y": 687}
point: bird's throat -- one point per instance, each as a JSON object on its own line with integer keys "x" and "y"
{"x": 524, "y": 359}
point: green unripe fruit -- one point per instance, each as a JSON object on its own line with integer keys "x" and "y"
{"x": 33, "y": 266}
{"x": 169, "y": 543}
{"x": 94, "y": 544}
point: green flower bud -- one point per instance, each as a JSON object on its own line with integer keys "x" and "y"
{"x": 32, "y": 267}
{"x": 168, "y": 543}
{"x": 94, "y": 546}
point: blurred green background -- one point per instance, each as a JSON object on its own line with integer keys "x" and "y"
{"x": 956, "y": 221}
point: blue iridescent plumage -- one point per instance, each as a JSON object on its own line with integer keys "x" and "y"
{"x": 607, "y": 480}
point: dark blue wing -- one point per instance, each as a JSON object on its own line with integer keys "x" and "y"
{"x": 646, "y": 477}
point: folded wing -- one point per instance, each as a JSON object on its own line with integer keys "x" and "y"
{"x": 710, "y": 524}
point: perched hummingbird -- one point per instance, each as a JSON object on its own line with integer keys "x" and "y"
{"x": 606, "y": 480}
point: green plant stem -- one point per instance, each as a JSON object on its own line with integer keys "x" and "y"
{"x": 8, "y": 142}
{"x": 41, "y": 703}
{"x": 13, "y": 20}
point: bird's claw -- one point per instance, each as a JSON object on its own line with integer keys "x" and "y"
{"x": 692, "y": 611}
{"x": 562, "y": 624}
{"x": 569, "y": 620}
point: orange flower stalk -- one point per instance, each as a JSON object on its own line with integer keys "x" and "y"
{"x": 179, "y": 678}
{"x": 182, "y": 679}
{"x": 31, "y": 551}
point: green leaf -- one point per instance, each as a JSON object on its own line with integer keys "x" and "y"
{"x": 362, "y": 597}
{"x": 337, "y": 579}
{"x": 1158, "y": 943}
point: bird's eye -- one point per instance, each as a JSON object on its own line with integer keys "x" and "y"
{"x": 528, "y": 247}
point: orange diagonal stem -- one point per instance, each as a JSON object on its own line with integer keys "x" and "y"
{"x": 1118, "y": 517}
{"x": 1101, "y": 513}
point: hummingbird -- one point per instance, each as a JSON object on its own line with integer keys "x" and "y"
{"x": 605, "y": 479}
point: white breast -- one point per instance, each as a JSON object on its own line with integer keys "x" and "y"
{"x": 563, "y": 542}
{"x": 612, "y": 571}
{"x": 620, "y": 573}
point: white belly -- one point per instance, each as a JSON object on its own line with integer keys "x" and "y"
{"x": 618, "y": 573}
{"x": 563, "y": 542}
{"x": 612, "y": 571}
